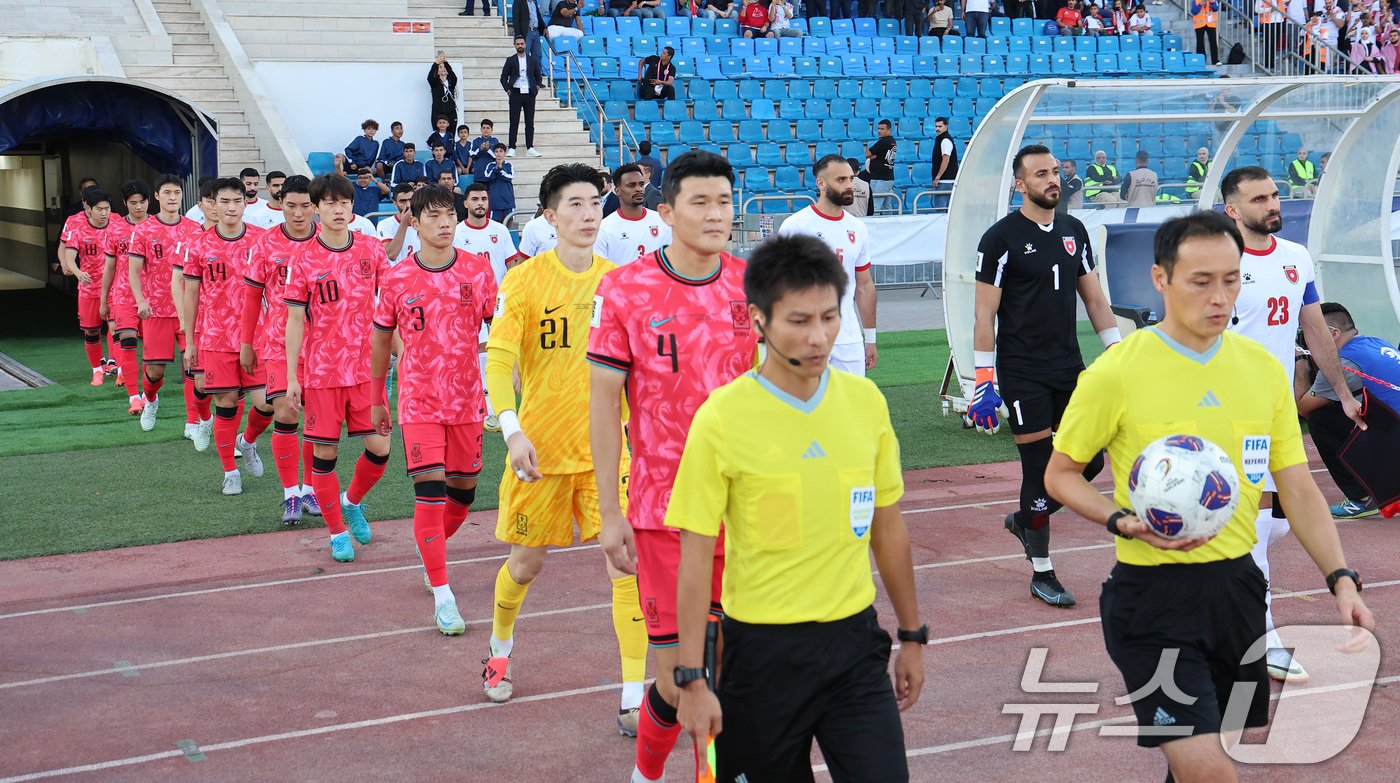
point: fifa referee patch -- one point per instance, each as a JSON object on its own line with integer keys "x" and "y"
{"x": 1254, "y": 455}
{"x": 500, "y": 306}
{"x": 862, "y": 510}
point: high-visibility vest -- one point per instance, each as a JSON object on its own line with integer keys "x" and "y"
{"x": 1205, "y": 17}
{"x": 1093, "y": 183}
{"x": 1269, "y": 12}
{"x": 1195, "y": 173}
{"x": 1301, "y": 172}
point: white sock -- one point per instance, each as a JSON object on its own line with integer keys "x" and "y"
{"x": 289, "y": 492}
{"x": 303, "y": 490}
{"x": 345, "y": 499}
{"x": 632, "y": 693}
{"x": 502, "y": 648}
{"x": 1041, "y": 564}
{"x": 233, "y": 472}
{"x": 240, "y": 443}
{"x": 209, "y": 422}
{"x": 443, "y": 594}
{"x": 638, "y": 777}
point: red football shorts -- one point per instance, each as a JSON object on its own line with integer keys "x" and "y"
{"x": 223, "y": 373}
{"x": 658, "y": 562}
{"x": 124, "y": 316}
{"x": 327, "y": 409}
{"x": 274, "y": 370}
{"x": 89, "y": 312}
{"x": 454, "y": 448}
{"x": 158, "y": 340}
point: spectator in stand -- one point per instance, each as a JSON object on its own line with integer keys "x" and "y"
{"x": 1196, "y": 171}
{"x": 1069, "y": 19}
{"x": 860, "y": 205}
{"x": 656, "y": 77}
{"x": 1203, "y": 18}
{"x": 390, "y": 150}
{"x": 1093, "y": 23}
{"x": 1366, "y": 54}
{"x": 1271, "y": 14}
{"x": 528, "y": 18}
{"x": 1140, "y": 23}
{"x": 480, "y": 150}
{"x": 880, "y": 157}
{"x": 653, "y": 193}
{"x": 447, "y": 182}
{"x": 1302, "y": 176}
{"x": 565, "y": 20}
{"x": 470, "y": 8}
{"x": 940, "y": 19}
{"x": 780, "y": 14}
{"x": 945, "y": 160}
{"x": 753, "y": 20}
{"x": 975, "y": 17}
{"x": 1071, "y": 189}
{"x": 500, "y": 182}
{"x": 442, "y": 82}
{"x": 610, "y": 200}
{"x": 522, "y": 80}
{"x": 364, "y": 150}
{"x": 438, "y": 163}
{"x": 1322, "y": 165}
{"x": 408, "y": 169}
{"x": 1100, "y": 180}
{"x": 368, "y": 193}
{"x": 642, "y": 9}
{"x": 868, "y": 8}
{"x": 1139, "y": 188}
{"x": 442, "y": 134}
{"x": 645, "y": 158}
{"x": 718, "y": 9}
{"x": 1390, "y": 52}
{"x": 461, "y": 152}
{"x": 1118, "y": 19}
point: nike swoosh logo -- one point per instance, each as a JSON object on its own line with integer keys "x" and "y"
{"x": 549, "y": 310}
{"x": 636, "y": 619}
{"x": 411, "y": 301}
{"x": 322, "y": 276}
{"x": 431, "y": 540}
{"x": 662, "y": 322}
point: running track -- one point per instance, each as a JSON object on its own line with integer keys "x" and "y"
{"x": 259, "y": 659}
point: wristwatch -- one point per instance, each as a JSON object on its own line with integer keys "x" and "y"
{"x": 684, "y": 676}
{"x": 1112, "y": 523}
{"x": 920, "y": 636}
{"x": 1343, "y": 573}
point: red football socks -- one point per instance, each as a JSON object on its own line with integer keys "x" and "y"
{"x": 656, "y": 734}
{"x": 150, "y": 387}
{"x": 428, "y": 506}
{"x": 225, "y": 430}
{"x": 368, "y": 470}
{"x": 307, "y": 454}
{"x": 258, "y": 423}
{"x": 284, "y": 453}
{"x": 94, "y": 353}
{"x": 126, "y": 359}
{"x": 459, "y": 504}
{"x": 326, "y": 485}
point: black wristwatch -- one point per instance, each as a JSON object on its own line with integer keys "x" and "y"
{"x": 1112, "y": 523}
{"x": 920, "y": 636}
{"x": 1343, "y": 573}
{"x": 684, "y": 676}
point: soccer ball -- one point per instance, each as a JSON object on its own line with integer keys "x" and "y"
{"x": 1184, "y": 486}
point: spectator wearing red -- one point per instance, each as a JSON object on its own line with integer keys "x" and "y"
{"x": 1069, "y": 18}
{"x": 753, "y": 20}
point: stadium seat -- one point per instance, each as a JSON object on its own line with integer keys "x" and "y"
{"x": 628, "y": 26}
{"x": 909, "y": 128}
{"x": 1079, "y": 149}
{"x": 692, "y": 132}
{"x": 799, "y": 89}
{"x": 781, "y": 66}
{"x": 706, "y": 110}
{"x": 728, "y": 27}
{"x": 994, "y": 64}
{"x": 692, "y": 47}
{"x": 756, "y": 181}
{"x": 731, "y": 67}
{"x": 1064, "y": 43}
{"x": 763, "y": 109}
{"x": 998, "y": 45}
{"x": 1130, "y": 62}
{"x": 1150, "y": 43}
{"x": 819, "y": 26}
{"x": 1174, "y": 62}
{"x": 605, "y": 67}
{"x": 929, "y": 46}
{"x": 1000, "y": 25}
{"x": 816, "y": 109}
{"x": 1171, "y": 42}
{"x": 814, "y": 46}
{"x": 848, "y": 88}
{"x": 1042, "y": 44}
{"x": 877, "y": 65}
{"x": 963, "y": 107}
{"x": 866, "y": 107}
{"x": 948, "y": 66}
{"x": 765, "y": 47}
{"x": 1106, "y": 62}
{"x": 756, "y": 67}
{"x": 678, "y": 26}
{"x": 750, "y": 89}
{"x": 823, "y": 148}
{"x": 974, "y": 46}
{"x": 321, "y": 163}
{"x": 1019, "y": 44}
{"x": 750, "y": 132}
{"x": 1127, "y": 251}
{"x": 646, "y": 111}
{"x": 1023, "y": 27}
{"x": 888, "y": 107}
{"x": 921, "y": 88}
{"x": 1152, "y": 62}
{"x": 591, "y": 46}
{"x": 808, "y": 130}
{"x": 842, "y": 27}
{"x": 952, "y": 44}
{"x": 1040, "y": 64}
{"x": 1196, "y": 63}
{"x": 806, "y": 67}
{"x": 915, "y": 107}
{"x": 841, "y": 109}
{"x": 779, "y": 131}
{"x": 1084, "y": 63}
{"x": 662, "y": 134}
{"x": 833, "y": 130}
{"x": 906, "y": 44}
{"x": 882, "y": 46}
{"x": 741, "y": 47}
{"x": 740, "y": 155}
{"x": 792, "y": 47}
{"x": 790, "y": 109}
{"x": 944, "y": 88}
{"x": 564, "y": 44}
{"x": 798, "y": 154}
{"x": 889, "y": 28}
{"x": 707, "y": 68}
{"x": 645, "y": 45}
{"x": 1061, "y": 63}
{"x": 967, "y": 87}
{"x": 926, "y": 66}
{"x": 726, "y": 90}
{"x": 787, "y": 179}
{"x": 617, "y": 46}
{"x": 734, "y": 110}
{"x": 902, "y": 177}
{"x": 852, "y": 149}
{"x": 702, "y": 27}
{"x": 769, "y": 155}
{"x": 1130, "y": 43}
{"x": 830, "y": 66}
{"x": 861, "y": 128}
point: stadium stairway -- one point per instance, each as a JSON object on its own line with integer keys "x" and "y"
{"x": 481, "y": 44}
{"x": 197, "y": 73}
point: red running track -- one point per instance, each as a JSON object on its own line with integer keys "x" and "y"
{"x": 259, "y": 658}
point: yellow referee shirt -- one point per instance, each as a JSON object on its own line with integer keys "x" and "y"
{"x": 796, "y": 484}
{"x": 543, "y": 314}
{"x": 1235, "y": 395}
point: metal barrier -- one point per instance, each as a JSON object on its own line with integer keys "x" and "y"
{"x": 752, "y": 228}
{"x": 1277, "y": 50}
{"x": 934, "y": 208}
{"x": 876, "y": 198}
{"x": 622, "y": 129}
{"x": 927, "y": 276}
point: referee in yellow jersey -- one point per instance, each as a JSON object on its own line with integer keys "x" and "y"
{"x": 801, "y": 464}
{"x": 1201, "y": 600}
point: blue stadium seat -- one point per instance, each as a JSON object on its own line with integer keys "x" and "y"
{"x": 833, "y": 130}
{"x": 841, "y": 109}
{"x": 963, "y": 107}
{"x": 824, "y": 89}
{"x": 750, "y": 131}
{"x": 998, "y": 45}
{"x": 765, "y": 47}
{"x": 791, "y": 109}
{"x": 848, "y": 88}
{"x": 750, "y": 89}
{"x": 984, "y": 106}
{"x": 692, "y": 132}
{"x": 591, "y": 46}
{"x": 728, "y": 27}
{"x": 994, "y": 64}
{"x": 706, "y": 110}
{"x": 823, "y": 148}
{"x": 926, "y": 65}
{"x": 1130, "y": 62}
{"x": 1106, "y": 62}
{"x": 1171, "y": 42}
{"x": 1152, "y": 62}
{"x": 741, "y": 47}
{"x": 952, "y": 44}
{"x": 1011, "y": 82}
{"x": 929, "y": 46}
{"x": 862, "y": 26}
{"x": 757, "y": 67}
{"x": 662, "y": 134}
{"x": 781, "y": 66}
{"x": 915, "y": 107}
{"x": 1174, "y": 62}
{"x": 588, "y": 25}
{"x": 779, "y": 131}
{"x": 1129, "y": 43}
{"x": 722, "y": 132}
{"x": 948, "y": 65}
{"x": 714, "y": 149}
{"x": 852, "y": 149}
{"x": 717, "y": 45}
{"x": 603, "y": 26}
{"x": 889, "y": 107}
{"x": 820, "y": 27}
{"x": 628, "y": 66}
{"x": 883, "y": 47}
{"x": 857, "y": 46}
{"x": 756, "y": 181}
{"x": 922, "y": 174}
{"x": 1150, "y": 43}
{"x": 909, "y": 128}
{"x": 617, "y": 46}
{"x": 1022, "y": 26}
{"x": 678, "y": 26}
{"x": 1019, "y": 44}
{"x": 889, "y": 28}
{"x": 763, "y": 109}
{"x": 740, "y": 155}
{"x": 860, "y": 128}
{"x": 628, "y": 26}
{"x": 605, "y": 67}
{"x": 906, "y": 44}
{"x": 1083, "y": 63}
{"x": 1079, "y": 149}
{"x": 830, "y": 66}
{"x": 921, "y": 88}
{"x": 792, "y": 47}
{"x": 814, "y": 46}
{"x": 787, "y": 179}
{"x": 968, "y": 87}
{"x": 321, "y": 163}
{"x": 1128, "y": 255}
{"x": 1040, "y": 64}
{"x": 726, "y": 90}
{"x": 808, "y": 130}
{"x": 816, "y": 109}
{"x": 646, "y": 111}
{"x": 734, "y": 110}
{"x": 769, "y": 154}
{"x": 1177, "y": 147}
{"x": 564, "y": 44}
{"x": 872, "y": 89}
{"x": 1196, "y": 63}
{"x": 800, "y": 25}
{"x": 1064, "y": 43}
{"x": 866, "y": 107}
{"x": 707, "y": 68}
{"x": 990, "y": 88}
{"x": 902, "y": 176}
{"x": 974, "y": 46}
{"x": 645, "y": 45}
{"x": 1000, "y": 25}
{"x": 693, "y": 47}
{"x": 806, "y": 67}
{"x": 1061, "y": 63}
{"x": 1043, "y": 44}
{"x": 731, "y": 67}
{"x": 702, "y": 27}
{"x": 944, "y": 88}
{"x": 798, "y": 154}
{"x": 876, "y": 65}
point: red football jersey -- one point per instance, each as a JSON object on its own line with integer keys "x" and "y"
{"x": 677, "y": 339}
{"x": 219, "y": 265}
{"x": 336, "y": 287}
{"x": 160, "y": 246}
{"x": 91, "y": 244}
{"x": 119, "y": 234}
{"x": 269, "y": 271}
{"x": 438, "y": 313}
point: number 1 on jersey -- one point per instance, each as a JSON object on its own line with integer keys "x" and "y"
{"x": 1055, "y": 271}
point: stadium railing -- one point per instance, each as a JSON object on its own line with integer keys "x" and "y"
{"x": 1239, "y": 23}
{"x": 933, "y": 206}
{"x": 621, "y": 130}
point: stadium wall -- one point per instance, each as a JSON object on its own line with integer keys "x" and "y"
{"x": 23, "y": 228}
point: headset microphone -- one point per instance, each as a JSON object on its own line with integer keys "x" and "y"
{"x": 774, "y": 349}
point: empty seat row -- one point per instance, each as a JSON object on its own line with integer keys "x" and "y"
{"x": 694, "y": 46}
{"x": 738, "y": 110}
{"x": 809, "y": 130}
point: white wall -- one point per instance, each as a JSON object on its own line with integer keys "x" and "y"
{"x": 28, "y": 57}
{"x": 325, "y": 120}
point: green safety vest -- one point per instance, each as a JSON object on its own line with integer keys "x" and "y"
{"x": 1195, "y": 173}
{"x": 1300, "y": 172}
{"x": 1095, "y": 178}
{"x": 1167, "y": 198}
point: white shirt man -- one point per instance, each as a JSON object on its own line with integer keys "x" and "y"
{"x": 623, "y": 240}
{"x": 264, "y": 214}
{"x": 388, "y": 228}
{"x": 364, "y": 225}
{"x": 536, "y": 237}
{"x": 491, "y": 240}
{"x": 850, "y": 239}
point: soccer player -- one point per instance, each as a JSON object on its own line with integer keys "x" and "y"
{"x": 544, "y": 311}
{"x": 671, "y": 327}
{"x": 804, "y": 654}
{"x": 1030, "y": 266}
{"x": 537, "y": 236}
{"x": 400, "y": 227}
{"x": 157, "y": 285}
{"x": 263, "y": 340}
{"x": 433, "y": 300}
{"x": 250, "y": 178}
{"x": 633, "y": 230}
{"x": 1201, "y": 599}
{"x": 1277, "y": 295}
{"x": 118, "y": 306}
{"x": 849, "y": 239}
{"x": 266, "y": 214}
{"x": 480, "y": 234}
{"x": 215, "y": 262}
{"x": 83, "y": 256}
{"x": 331, "y": 306}
{"x": 197, "y": 212}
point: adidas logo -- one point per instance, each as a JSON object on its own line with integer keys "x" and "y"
{"x": 814, "y": 451}
{"x": 1209, "y": 401}
{"x": 1162, "y": 718}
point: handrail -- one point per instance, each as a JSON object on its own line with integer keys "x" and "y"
{"x": 876, "y": 197}
{"x": 624, "y": 128}
{"x": 1286, "y": 61}
{"x": 933, "y": 207}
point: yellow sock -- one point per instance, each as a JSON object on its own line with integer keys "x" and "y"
{"x": 509, "y": 596}
{"x": 631, "y": 630}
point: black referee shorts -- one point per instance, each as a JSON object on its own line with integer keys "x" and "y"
{"x": 1036, "y": 398}
{"x": 783, "y": 685}
{"x": 1207, "y": 615}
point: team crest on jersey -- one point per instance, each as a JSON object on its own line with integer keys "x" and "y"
{"x": 465, "y": 292}
{"x": 415, "y": 452}
{"x": 739, "y": 314}
{"x": 1291, "y": 272}
{"x": 495, "y": 239}
{"x": 1070, "y": 244}
{"x": 365, "y": 269}
{"x": 655, "y": 231}
{"x": 851, "y": 235}
{"x": 1030, "y": 248}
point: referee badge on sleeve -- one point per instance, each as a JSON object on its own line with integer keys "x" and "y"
{"x": 862, "y": 510}
{"x": 500, "y": 306}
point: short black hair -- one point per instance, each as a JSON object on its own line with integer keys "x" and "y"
{"x": 248, "y": 172}
{"x": 644, "y": 147}
{"x": 628, "y": 168}
{"x": 696, "y": 163}
{"x": 1201, "y": 223}
{"x": 477, "y": 187}
{"x": 447, "y": 173}
{"x": 402, "y": 188}
{"x": 1338, "y": 317}
{"x": 331, "y": 187}
{"x": 499, "y": 146}
{"x": 783, "y": 264}
{"x": 461, "y": 128}
{"x": 564, "y": 175}
{"x": 396, "y": 124}
{"x": 410, "y": 146}
{"x": 135, "y": 187}
{"x": 485, "y": 121}
{"x": 1025, "y": 152}
{"x": 227, "y": 183}
{"x": 86, "y": 179}
{"x": 94, "y": 195}
{"x": 271, "y": 175}
{"x": 884, "y": 123}
{"x": 206, "y": 187}
{"x": 855, "y": 164}
{"x": 367, "y": 124}
{"x": 296, "y": 183}
{"x": 518, "y": 38}
{"x": 1140, "y": 157}
{"x": 169, "y": 179}
{"x": 1230, "y": 185}
{"x": 669, "y": 50}
{"x": 438, "y": 145}
{"x": 827, "y": 160}
{"x": 943, "y": 120}
{"x": 431, "y": 197}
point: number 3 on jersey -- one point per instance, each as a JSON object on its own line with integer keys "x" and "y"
{"x": 1278, "y": 311}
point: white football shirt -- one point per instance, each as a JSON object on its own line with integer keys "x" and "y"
{"x": 491, "y": 240}
{"x": 1274, "y": 286}
{"x": 536, "y": 237}
{"x": 364, "y": 225}
{"x": 849, "y": 238}
{"x": 389, "y": 228}
{"x": 263, "y": 215}
{"x": 623, "y": 240}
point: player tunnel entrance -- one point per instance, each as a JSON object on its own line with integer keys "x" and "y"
{"x": 54, "y": 131}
